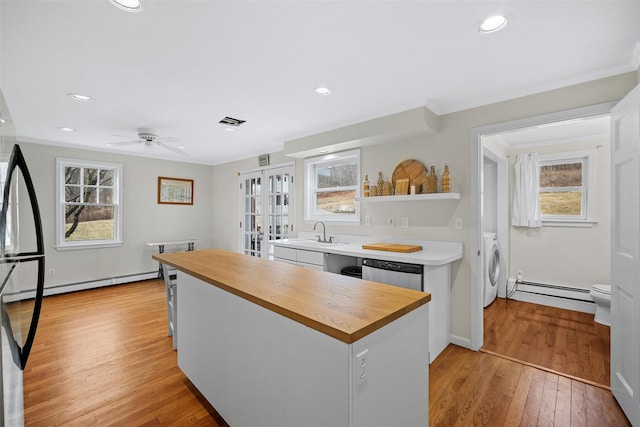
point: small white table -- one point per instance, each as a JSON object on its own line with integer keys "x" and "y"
{"x": 191, "y": 245}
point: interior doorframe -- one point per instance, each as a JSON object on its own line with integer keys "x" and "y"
{"x": 477, "y": 226}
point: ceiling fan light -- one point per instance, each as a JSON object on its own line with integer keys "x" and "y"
{"x": 492, "y": 24}
{"x": 128, "y": 5}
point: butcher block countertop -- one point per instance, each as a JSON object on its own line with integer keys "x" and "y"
{"x": 340, "y": 306}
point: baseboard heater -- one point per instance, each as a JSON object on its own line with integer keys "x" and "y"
{"x": 554, "y": 295}
{"x": 81, "y": 286}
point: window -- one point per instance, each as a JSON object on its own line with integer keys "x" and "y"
{"x": 332, "y": 184}
{"x": 88, "y": 201}
{"x": 566, "y": 190}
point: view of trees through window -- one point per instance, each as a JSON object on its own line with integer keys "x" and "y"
{"x": 89, "y": 203}
{"x": 561, "y": 189}
{"x": 336, "y": 188}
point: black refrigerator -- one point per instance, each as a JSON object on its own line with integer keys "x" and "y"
{"x": 21, "y": 270}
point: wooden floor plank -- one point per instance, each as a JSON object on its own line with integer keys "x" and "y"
{"x": 103, "y": 358}
{"x": 561, "y": 340}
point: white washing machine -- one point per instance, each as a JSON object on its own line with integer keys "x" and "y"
{"x": 494, "y": 271}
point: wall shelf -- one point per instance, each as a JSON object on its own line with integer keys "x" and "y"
{"x": 410, "y": 198}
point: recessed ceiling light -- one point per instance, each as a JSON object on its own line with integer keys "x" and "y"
{"x": 79, "y": 97}
{"x": 2, "y": 120}
{"x": 492, "y": 24}
{"x": 323, "y": 91}
{"x": 128, "y": 5}
{"x": 66, "y": 129}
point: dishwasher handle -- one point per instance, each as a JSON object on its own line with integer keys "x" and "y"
{"x": 400, "y": 267}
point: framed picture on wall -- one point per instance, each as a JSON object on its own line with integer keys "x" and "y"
{"x": 175, "y": 191}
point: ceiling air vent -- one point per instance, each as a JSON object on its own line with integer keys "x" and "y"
{"x": 230, "y": 121}
{"x": 263, "y": 160}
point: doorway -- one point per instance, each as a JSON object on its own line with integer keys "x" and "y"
{"x": 485, "y": 152}
{"x": 266, "y": 210}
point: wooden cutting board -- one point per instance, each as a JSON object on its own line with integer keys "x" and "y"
{"x": 392, "y": 247}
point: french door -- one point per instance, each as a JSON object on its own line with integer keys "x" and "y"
{"x": 625, "y": 255}
{"x": 266, "y": 198}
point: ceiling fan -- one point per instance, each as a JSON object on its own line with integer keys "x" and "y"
{"x": 150, "y": 139}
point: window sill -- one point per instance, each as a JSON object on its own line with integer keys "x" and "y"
{"x": 568, "y": 223}
{"x": 88, "y": 246}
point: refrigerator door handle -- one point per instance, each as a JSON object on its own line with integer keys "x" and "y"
{"x": 21, "y": 354}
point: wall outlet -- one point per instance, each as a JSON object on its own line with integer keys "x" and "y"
{"x": 367, "y": 220}
{"x": 361, "y": 367}
{"x": 459, "y": 224}
{"x": 404, "y": 221}
{"x": 391, "y": 221}
{"x": 52, "y": 272}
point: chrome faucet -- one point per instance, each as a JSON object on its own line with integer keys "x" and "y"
{"x": 324, "y": 233}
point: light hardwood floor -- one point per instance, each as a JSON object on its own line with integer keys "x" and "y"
{"x": 102, "y": 357}
{"x": 564, "y": 341}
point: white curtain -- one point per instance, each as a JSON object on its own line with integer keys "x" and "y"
{"x": 526, "y": 205}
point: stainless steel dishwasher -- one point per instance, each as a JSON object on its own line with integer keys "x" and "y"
{"x": 393, "y": 273}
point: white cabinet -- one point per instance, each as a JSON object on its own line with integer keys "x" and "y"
{"x": 310, "y": 259}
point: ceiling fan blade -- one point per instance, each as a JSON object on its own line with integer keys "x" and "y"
{"x": 174, "y": 149}
{"x": 124, "y": 143}
{"x": 166, "y": 139}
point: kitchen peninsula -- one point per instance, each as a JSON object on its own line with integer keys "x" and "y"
{"x": 270, "y": 343}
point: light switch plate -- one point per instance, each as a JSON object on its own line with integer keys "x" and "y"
{"x": 459, "y": 224}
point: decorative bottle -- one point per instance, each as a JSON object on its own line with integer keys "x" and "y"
{"x": 365, "y": 186}
{"x": 387, "y": 188}
{"x": 379, "y": 184}
{"x": 446, "y": 180}
{"x": 432, "y": 181}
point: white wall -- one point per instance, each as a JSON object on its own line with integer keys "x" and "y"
{"x": 143, "y": 219}
{"x": 568, "y": 256}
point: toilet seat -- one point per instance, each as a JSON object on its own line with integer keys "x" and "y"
{"x": 603, "y": 289}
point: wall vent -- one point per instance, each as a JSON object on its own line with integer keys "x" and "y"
{"x": 263, "y": 160}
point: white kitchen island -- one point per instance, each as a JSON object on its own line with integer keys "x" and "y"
{"x": 271, "y": 344}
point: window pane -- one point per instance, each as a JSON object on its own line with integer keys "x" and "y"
{"x": 567, "y": 203}
{"x": 89, "y": 223}
{"x": 71, "y": 193}
{"x": 106, "y": 178}
{"x": 337, "y": 175}
{"x": 342, "y": 202}
{"x": 90, "y": 176}
{"x": 106, "y": 195}
{"x": 90, "y": 195}
{"x": 72, "y": 175}
{"x": 562, "y": 175}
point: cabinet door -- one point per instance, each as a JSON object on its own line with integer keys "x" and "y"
{"x": 310, "y": 257}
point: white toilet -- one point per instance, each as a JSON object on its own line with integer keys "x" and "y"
{"x": 601, "y": 295}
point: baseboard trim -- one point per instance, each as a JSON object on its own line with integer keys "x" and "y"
{"x": 460, "y": 341}
{"x": 81, "y": 286}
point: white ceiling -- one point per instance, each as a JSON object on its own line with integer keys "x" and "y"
{"x": 180, "y": 66}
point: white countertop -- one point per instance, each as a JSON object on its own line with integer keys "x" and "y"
{"x": 433, "y": 253}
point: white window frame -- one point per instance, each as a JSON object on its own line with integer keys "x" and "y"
{"x": 588, "y": 188}
{"x": 61, "y": 244}
{"x": 310, "y": 167}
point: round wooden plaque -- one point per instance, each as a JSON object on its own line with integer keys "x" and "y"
{"x": 412, "y": 169}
